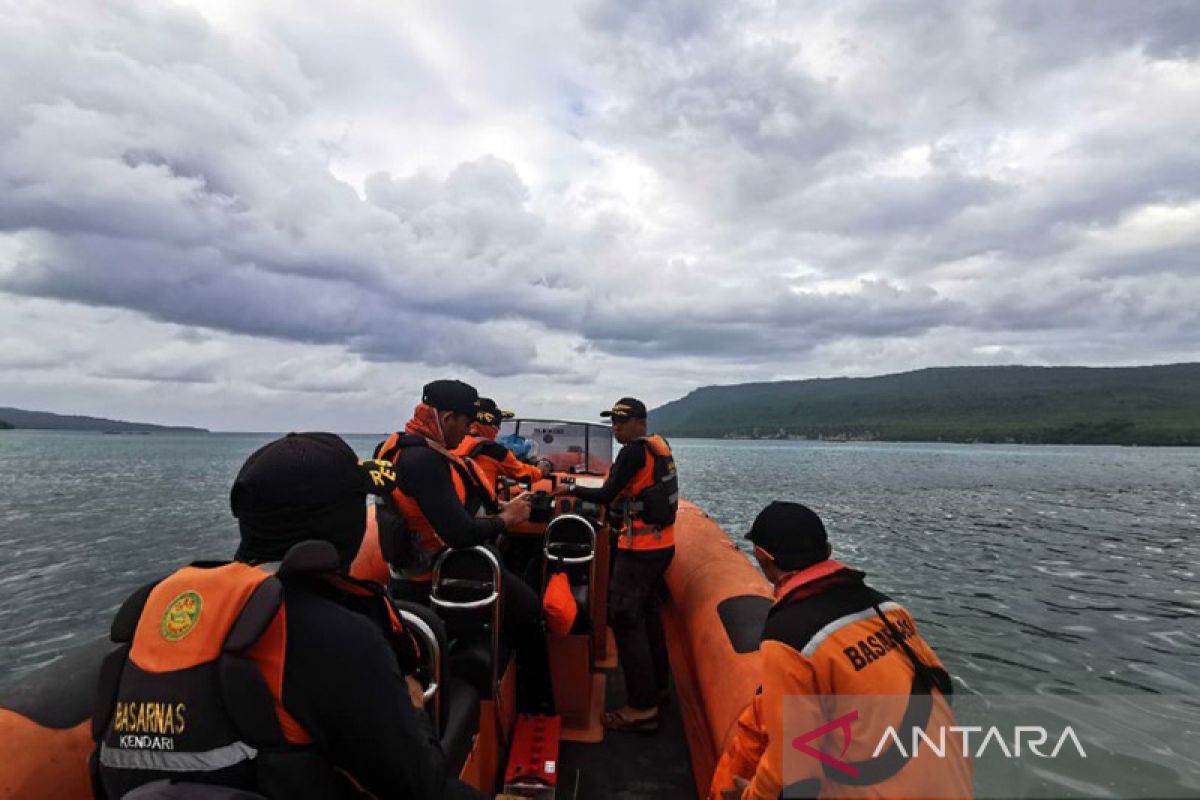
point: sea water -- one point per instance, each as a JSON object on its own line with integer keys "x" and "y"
{"x": 1031, "y": 570}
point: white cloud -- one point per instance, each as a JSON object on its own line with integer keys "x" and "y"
{"x": 299, "y": 207}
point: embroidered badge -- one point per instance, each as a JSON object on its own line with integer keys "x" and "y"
{"x": 181, "y": 616}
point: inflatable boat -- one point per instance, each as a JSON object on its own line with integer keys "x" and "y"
{"x": 712, "y": 619}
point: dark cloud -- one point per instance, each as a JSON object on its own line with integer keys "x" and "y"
{"x": 741, "y": 182}
{"x": 767, "y": 321}
{"x": 1081, "y": 29}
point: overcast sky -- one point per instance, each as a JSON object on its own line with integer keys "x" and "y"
{"x": 266, "y": 216}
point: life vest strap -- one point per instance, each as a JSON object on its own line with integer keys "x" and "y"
{"x": 256, "y": 616}
{"x": 933, "y": 677}
{"x": 125, "y": 623}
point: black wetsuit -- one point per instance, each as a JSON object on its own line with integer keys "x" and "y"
{"x": 624, "y": 469}
{"x": 422, "y": 474}
{"x": 357, "y": 709}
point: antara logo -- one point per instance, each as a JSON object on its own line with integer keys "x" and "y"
{"x": 1032, "y": 737}
{"x": 842, "y": 724}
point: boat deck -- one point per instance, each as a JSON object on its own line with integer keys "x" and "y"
{"x": 628, "y": 765}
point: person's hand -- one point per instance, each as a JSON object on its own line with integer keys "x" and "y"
{"x": 416, "y": 692}
{"x": 546, "y": 467}
{"x": 515, "y": 511}
{"x": 562, "y": 490}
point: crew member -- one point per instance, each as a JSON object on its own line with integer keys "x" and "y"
{"x": 441, "y": 498}
{"x": 642, "y": 492}
{"x": 858, "y": 654}
{"x": 492, "y": 458}
{"x": 235, "y": 673}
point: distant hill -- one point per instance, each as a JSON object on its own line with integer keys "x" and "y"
{"x": 42, "y": 420}
{"x": 1157, "y": 405}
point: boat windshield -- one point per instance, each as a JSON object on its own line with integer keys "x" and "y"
{"x": 578, "y": 447}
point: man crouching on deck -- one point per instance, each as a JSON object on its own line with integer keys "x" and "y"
{"x": 841, "y": 662}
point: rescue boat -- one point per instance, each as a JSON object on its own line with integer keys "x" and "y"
{"x": 713, "y": 618}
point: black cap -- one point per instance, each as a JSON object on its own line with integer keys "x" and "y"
{"x": 449, "y": 395}
{"x": 791, "y": 533}
{"x": 303, "y": 486}
{"x": 489, "y": 413}
{"x": 625, "y": 408}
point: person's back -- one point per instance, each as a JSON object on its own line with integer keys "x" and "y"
{"x": 357, "y": 708}
{"x": 839, "y": 656}
{"x": 236, "y": 675}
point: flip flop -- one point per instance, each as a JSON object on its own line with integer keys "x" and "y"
{"x": 616, "y": 721}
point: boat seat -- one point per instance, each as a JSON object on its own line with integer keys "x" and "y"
{"x": 471, "y": 661}
{"x": 467, "y": 594}
{"x": 458, "y": 701}
{"x": 569, "y": 545}
{"x": 460, "y": 722}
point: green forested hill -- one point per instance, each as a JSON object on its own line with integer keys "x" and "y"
{"x": 1071, "y": 405}
{"x": 43, "y": 420}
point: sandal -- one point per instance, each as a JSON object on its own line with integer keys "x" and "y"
{"x": 616, "y": 721}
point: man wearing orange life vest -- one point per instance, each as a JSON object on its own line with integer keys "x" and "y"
{"x": 494, "y": 459}
{"x": 235, "y": 674}
{"x": 443, "y": 499}
{"x": 642, "y": 489}
{"x": 440, "y": 495}
{"x": 832, "y": 644}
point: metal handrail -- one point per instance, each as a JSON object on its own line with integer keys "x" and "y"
{"x": 497, "y": 573}
{"x": 421, "y": 627}
{"x": 564, "y": 559}
{"x": 493, "y": 562}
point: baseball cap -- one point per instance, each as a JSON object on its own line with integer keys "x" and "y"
{"x": 488, "y": 413}
{"x": 625, "y": 408}
{"x": 790, "y": 533}
{"x": 451, "y": 395}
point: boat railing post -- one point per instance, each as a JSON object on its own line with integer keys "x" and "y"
{"x": 433, "y": 652}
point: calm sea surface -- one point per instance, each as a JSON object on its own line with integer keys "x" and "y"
{"x": 1032, "y": 570}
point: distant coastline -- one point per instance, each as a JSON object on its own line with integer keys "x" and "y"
{"x": 1150, "y": 406}
{"x": 22, "y": 419}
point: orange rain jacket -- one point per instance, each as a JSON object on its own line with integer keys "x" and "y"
{"x": 825, "y": 637}
{"x": 493, "y": 460}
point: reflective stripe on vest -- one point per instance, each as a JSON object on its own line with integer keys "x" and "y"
{"x": 167, "y": 761}
{"x": 169, "y": 712}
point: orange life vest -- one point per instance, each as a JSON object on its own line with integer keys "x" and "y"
{"x": 463, "y": 474}
{"x": 653, "y": 493}
{"x": 493, "y": 460}
{"x": 195, "y": 692}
